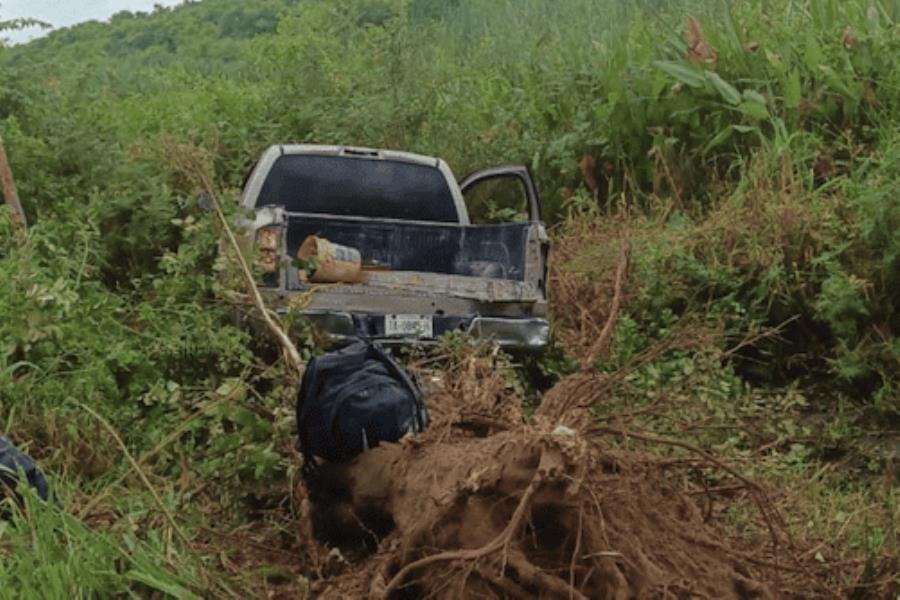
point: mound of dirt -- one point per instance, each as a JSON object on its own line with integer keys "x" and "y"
{"x": 486, "y": 505}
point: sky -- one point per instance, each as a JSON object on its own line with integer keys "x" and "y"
{"x": 62, "y": 13}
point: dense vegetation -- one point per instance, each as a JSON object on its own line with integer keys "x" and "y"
{"x": 750, "y": 152}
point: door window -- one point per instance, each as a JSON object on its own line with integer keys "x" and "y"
{"x": 501, "y": 199}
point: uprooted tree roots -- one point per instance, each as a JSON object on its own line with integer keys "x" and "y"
{"x": 486, "y": 505}
{"x": 497, "y": 508}
{"x": 548, "y": 516}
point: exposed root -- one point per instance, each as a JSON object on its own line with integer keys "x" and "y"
{"x": 540, "y": 510}
{"x": 533, "y": 512}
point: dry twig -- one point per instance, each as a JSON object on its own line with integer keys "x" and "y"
{"x": 290, "y": 350}
{"x": 610, "y": 325}
{"x": 767, "y": 509}
{"x": 137, "y": 469}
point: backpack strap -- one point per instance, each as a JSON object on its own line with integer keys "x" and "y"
{"x": 403, "y": 376}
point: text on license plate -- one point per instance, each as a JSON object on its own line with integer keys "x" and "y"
{"x": 408, "y": 325}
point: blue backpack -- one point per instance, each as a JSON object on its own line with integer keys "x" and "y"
{"x": 12, "y": 461}
{"x": 354, "y": 399}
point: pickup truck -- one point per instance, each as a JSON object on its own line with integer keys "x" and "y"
{"x": 429, "y": 269}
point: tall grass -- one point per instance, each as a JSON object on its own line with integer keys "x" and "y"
{"x": 62, "y": 557}
{"x": 546, "y": 83}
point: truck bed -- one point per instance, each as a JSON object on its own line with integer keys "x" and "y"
{"x": 495, "y": 252}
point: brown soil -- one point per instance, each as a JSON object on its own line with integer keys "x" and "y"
{"x": 486, "y": 505}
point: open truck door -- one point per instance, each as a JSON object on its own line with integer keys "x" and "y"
{"x": 501, "y": 193}
{"x": 504, "y": 196}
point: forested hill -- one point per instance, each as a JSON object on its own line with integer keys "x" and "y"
{"x": 747, "y": 152}
{"x": 205, "y": 36}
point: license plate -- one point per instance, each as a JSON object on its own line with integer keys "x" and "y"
{"x": 408, "y": 325}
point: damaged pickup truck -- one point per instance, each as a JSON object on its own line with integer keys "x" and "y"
{"x": 435, "y": 255}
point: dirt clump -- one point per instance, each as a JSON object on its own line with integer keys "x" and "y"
{"x": 500, "y": 508}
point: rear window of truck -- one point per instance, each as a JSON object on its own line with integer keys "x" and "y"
{"x": 361, "y": 187}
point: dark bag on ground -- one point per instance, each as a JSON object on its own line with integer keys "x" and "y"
{"x": 13, "y": 462}
{"x": 352, "y": 400}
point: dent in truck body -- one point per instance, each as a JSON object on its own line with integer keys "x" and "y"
{"x": 489, "y": 301}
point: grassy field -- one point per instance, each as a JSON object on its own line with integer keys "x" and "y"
{"x": 748, "y": 151}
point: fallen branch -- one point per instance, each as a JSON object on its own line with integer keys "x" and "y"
{"x": 586, "y": 387}
{"x": 290, "y": 350}
{"x": 196, "y": 164}
{"x": 750, "y": 340}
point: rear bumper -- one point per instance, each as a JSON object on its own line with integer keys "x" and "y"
{"x": 527, "y": 334}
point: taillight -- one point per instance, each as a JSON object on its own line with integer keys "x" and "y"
{"x": 268, "y": 241}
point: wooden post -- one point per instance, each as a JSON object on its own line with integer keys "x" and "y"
{"x": 9, "y": 191}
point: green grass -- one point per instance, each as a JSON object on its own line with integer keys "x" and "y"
{"x": 63, "y": 557}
